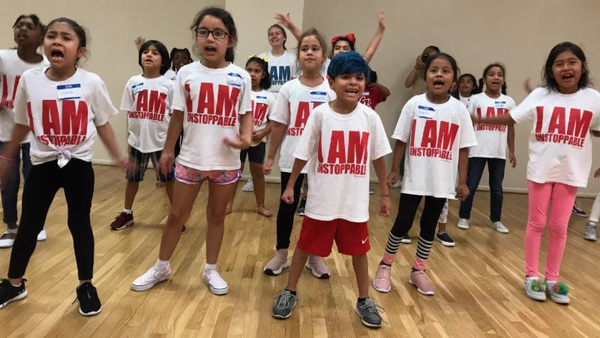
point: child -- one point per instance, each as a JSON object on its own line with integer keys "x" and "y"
{"x": 374, "y": 93}
{"x": 147, "y": 100}
{"x": 28, "y": 35}
{"x": 337, "y": 172}
{"x": 214, "y": 93}
{"x": 590, "y": 230}
{"x": 438, "y": 130}
{"x": 560, "y": 159}
{"x": 262, "y": 104}
{"x": 179, "y": 57}
{"x": 64, "y": 107}
{"x": 413, "y": 79}
{"x": 492, "y": 142}
{"x": 297, "y": 98}
{"x": 467, "y": 87}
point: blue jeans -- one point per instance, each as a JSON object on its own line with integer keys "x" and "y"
{"x": 496, "y": 175}
{"x": 10, "y": 188}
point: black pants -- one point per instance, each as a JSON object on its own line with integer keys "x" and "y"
{"x": 285, "y": 214}
{"x": 77, "y": 180}
{"x": 408, "y": 209}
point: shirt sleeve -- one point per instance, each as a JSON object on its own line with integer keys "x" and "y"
{"x": 595, "y": 125}
{"x": 526, "y": 110}
{"x": 380, "y": 145}
{"x": 20, "y": 103}
{"x": 179, "y": 93}
{"x": 102, "y": 106}
{"x": 127, "y": 98}
{"x": 402, "y": 131}
{"x": 281, "y": 110}
{"x": 308, "y": 142}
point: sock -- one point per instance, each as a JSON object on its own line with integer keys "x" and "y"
{"x": 12, "y": 231}
{"x": 292, "y": 292}
{"x": 163, "y": 265}
{"x": 128, "y": 211}
{"x": 392, "y": 245}
{"x": 441, "y": 232}
{"x": 419, "y": 264}
{"x": 16, "y": 286}
{"x": 210, "y": 267}
{"x": 388, "y": 259}
{"x": 360, "y": 300}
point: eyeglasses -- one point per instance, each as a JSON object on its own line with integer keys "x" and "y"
{"x": 217, "y": 34}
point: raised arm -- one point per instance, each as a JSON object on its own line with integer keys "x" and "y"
{"x": 286, "y": 21}
{"x": 372, "y": 48}
{"x": 414, "y": 73}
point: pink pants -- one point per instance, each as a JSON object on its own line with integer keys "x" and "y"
{"x": 560, "y": 198}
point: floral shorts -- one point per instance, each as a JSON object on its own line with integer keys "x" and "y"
{"x": 194, "y": 176}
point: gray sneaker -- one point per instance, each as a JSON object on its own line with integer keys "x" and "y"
{"x": 535, "y": 289}
{"x": 590, "y": 231}
{"x": 284, "y": 304}
{"x": 558, "y": 292}
{"x": 367, "y": 311}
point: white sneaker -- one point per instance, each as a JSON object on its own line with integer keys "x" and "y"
{"x": 42, "y": 235}
{"x": 150, "y": 278}
{"x": 317, "y": 267}
{"x": 463, "y": 223}
{"x": 216, "y": 283}
{"x": 249, "y": 186}
{"x": 398, "y": 184}
{"x": 500, "y": 227}
{"x": 8, "y": 239}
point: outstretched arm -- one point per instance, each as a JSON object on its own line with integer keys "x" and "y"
{"x": 372, "y": 48}
{"x": 286, "y": 21}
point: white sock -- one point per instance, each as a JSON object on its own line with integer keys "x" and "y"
{"x": 128, "y": 211}
{"x": 210, "y": 267}
{"x": 12, "y": 231}
{"x": 163, "y": 265}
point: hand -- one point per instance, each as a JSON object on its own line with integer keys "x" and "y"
{"x": 419, "y": 64}
{"x": 527, "y": 85}
{"x": 512, "y": 159}
{"x": 238, "y": 142}
{"x": 381, "y": 18}
{"x": 288, "y": 195}
{"x": 597, "y": 173}
{"x": 257, "y": 136}
{"x": 384, "y": 206}
{"x": 283, "y": 19}
{"x": 462, "y": 192}
{"x": 267, "y": 166}
{"x": 392, "y": 177}
{"x": 127, "y": 162}
{"x": 166, "y": 162}
{"x": 139, "y": 41}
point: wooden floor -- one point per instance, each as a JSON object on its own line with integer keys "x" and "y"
{"x": 479, "y": 282}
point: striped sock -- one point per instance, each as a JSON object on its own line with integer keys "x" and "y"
{"x": 423, "y": 250}
{"x": 391, "y": 248}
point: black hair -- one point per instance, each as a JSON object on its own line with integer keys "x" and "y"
{"x": 227, "y": 20}
{"x": 34, "y": 18}
{"x": 490, "y": 66}
{"x": 312, "y": 32}
{"x": 444, "y": 56}
{"x": 179, "y": 50}
{"x": 165, "y": 61}
{"x": 282, "y": 31}
{"x": 265, "y": 82}
{"x": 372, "y": 76}
{"x": 476, "y": 89}
{"x": 548, "y": 77}
{"x": 342, "y": 38}
{"x": 77, "y": 28}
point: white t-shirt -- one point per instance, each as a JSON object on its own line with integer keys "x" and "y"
{"x": 465, "y": 99}
{"x": 170, "y": 74}
{"x": 212, "y": 100}
{"x": 492, "y": 139}
{"x": 560, "y": 148}
{"x": 339, "y": 149}
{"x": 62, "y": 116}
{"x": 324, "y": 67}
{"x": 433, "y": 134}
{"x": 294, "y": 105}
{"x": 147, "y": 103}
{"x": 262, "y": 106}
{"x": 11, "y": 69}
{"x": 282, "y": 68}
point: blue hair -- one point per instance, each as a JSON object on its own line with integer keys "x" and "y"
{"x": 347, "y": 63}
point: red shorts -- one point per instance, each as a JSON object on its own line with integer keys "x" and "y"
{"x": 316, "y": 237}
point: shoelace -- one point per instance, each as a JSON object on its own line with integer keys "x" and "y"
{"x": 372, "y": 307}
{"x": 86, "y": 292}
{"x": 284, "y": 301}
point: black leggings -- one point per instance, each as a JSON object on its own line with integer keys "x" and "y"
{"x": 77, "y": 180}
{"x": 406, "y": 215}
{"x": 285, "y": 214}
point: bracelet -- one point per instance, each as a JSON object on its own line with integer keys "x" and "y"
{"x": 6, "y": 159}
{"x": 385, "y": 195}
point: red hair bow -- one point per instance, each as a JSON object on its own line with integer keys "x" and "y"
{"x": 350, "y": 38}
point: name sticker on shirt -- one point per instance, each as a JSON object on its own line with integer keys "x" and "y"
{"x": 234, "y": 79}
{"x": 500, "y": 104}
{"x": 138, "y": 87}
{"x": 425, "y": 112}
{"x": 365, "y": 94}
{"x": 318, "y": 97}
{"x": 261, "y": 99}
{"x": 69, "y": 91}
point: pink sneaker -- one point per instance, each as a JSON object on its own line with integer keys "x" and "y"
{"x": 421, "y": 282}
{"x": 382, "y": 281}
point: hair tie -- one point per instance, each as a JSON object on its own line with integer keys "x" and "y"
{"x": 350, "y": 37}
{"x": 264, "y": 58}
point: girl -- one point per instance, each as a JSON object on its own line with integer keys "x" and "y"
{"x": 417, "y": 73}
{"x": 338, "y": 207}
{"x": 214, "y": 93}
{"x": 262, "y": 104}
{"x": 467, "y": 87}
{"x": 28, "y": 35}
{"x": 147, "y": 101}
{"x": 492, "y": 141}
{"x": 64, "y": 107}
{"x": 297, "y": 98}
{"x": 438, "y": 130}
{"x": 564, "y": 112}
{"x": 179, "y": 57}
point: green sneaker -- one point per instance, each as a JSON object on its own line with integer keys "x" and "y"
{"x": 367, "y": 311}
{"x": 535, "y": 289}
{"x": 284, "y": 304}
{"x": 558, "y": 292}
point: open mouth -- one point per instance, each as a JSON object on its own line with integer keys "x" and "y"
{"x": 438, "y": 84}
{"x": 56, "y": 54}
{"x": 210, "y": 49}
{"x": 567, "y": 76}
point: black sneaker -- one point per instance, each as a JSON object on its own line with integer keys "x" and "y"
{"x": 301, "y": 207}
{"x": 367, "y": 311}
{"x": 89, "y": 303}
{"x": 578, "y": 211}
{"x": 10, "y": 293}
{"x": 445, "y": 239}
